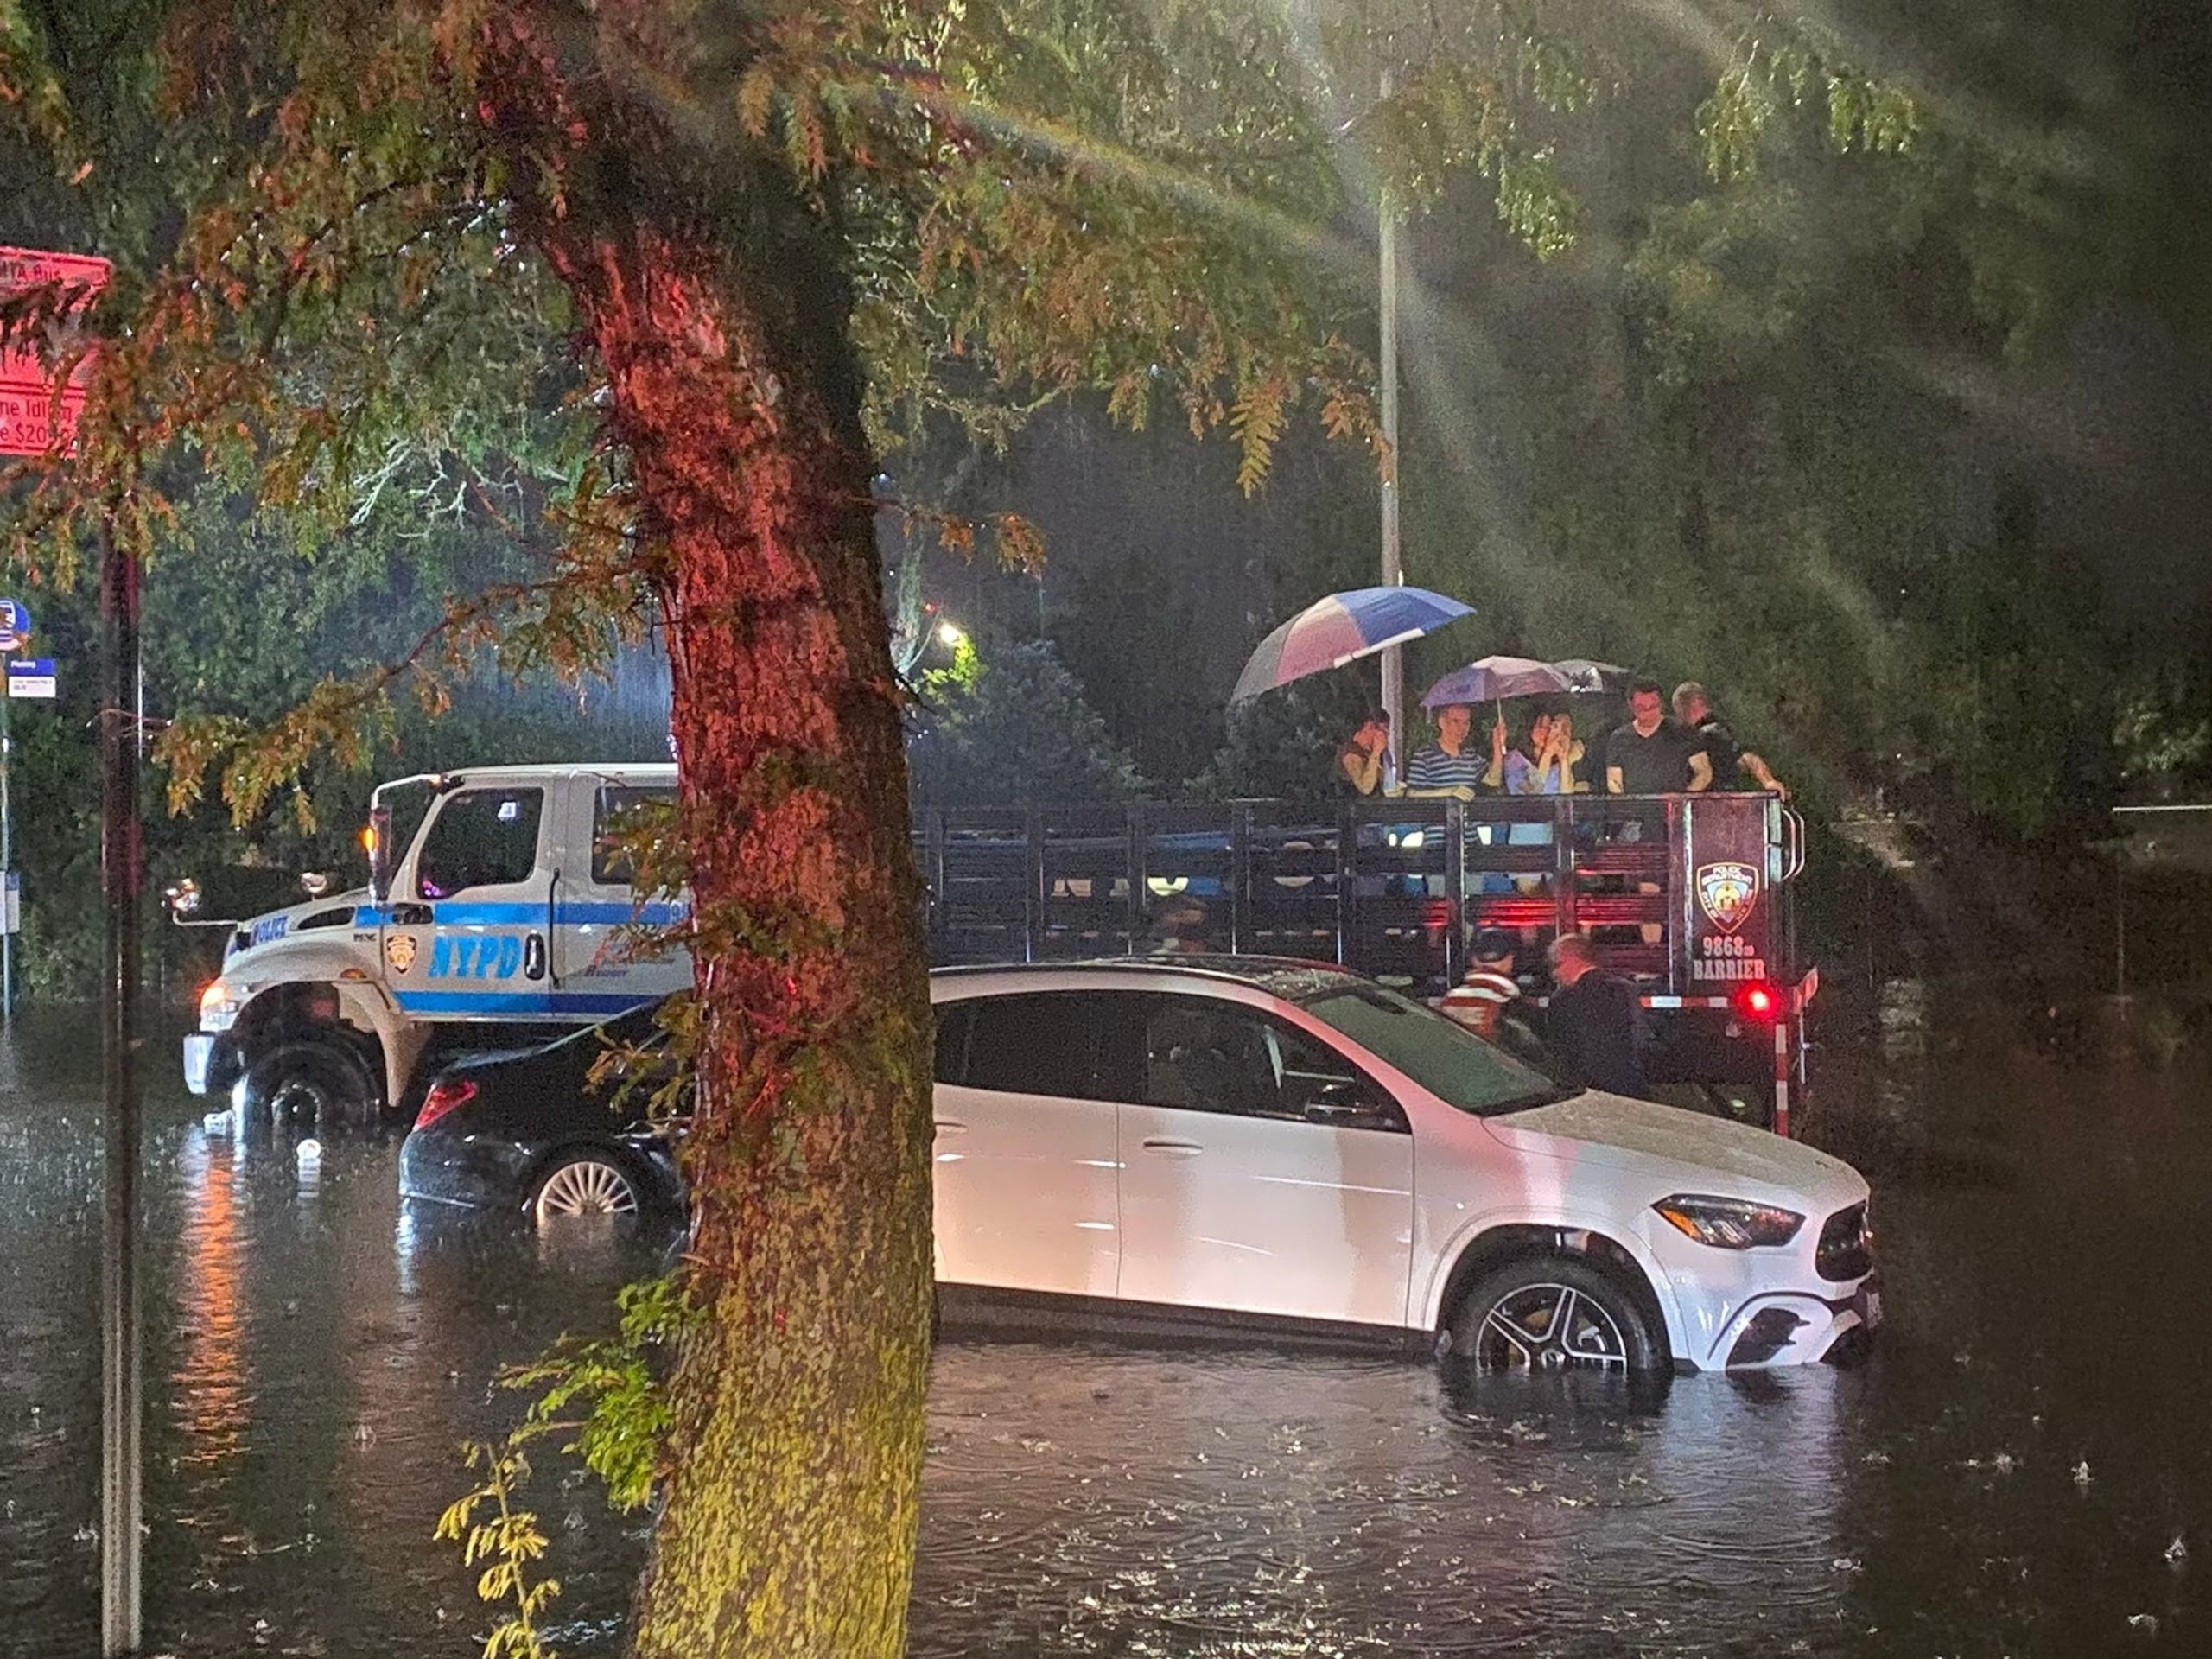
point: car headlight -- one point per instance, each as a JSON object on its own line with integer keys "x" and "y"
{"x": 1729, "y": 1223}
{"x": 220, "y": 1004}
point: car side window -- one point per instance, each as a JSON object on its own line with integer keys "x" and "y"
{"x": 952, "y": 1027}
{"x": 620, "y": 812}
{"x": 1319, "y": 1085}
{"x": 481, "y": 838}
{"x": 1035, "y": 1043}
{"x": 1204, "y": 1055}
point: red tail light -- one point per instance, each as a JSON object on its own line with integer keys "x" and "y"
{"x": 1760, "y": 1000}
{"x": 446, "y": 1094}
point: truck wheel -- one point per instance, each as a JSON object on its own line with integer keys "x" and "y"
{"x": 1553, "y": 1313}
{"x": 312, "y": 1084}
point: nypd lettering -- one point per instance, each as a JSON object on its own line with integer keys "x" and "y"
{"x": 482, "y": 955}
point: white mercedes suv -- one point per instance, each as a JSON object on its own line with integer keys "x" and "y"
{"x": 1268, "y": 1141}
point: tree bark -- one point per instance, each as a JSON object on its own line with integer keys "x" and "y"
{"x": 720, "y": 315}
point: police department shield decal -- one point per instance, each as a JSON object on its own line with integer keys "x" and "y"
{"x": 1728, "y": 891}
{"x": 399, "y": 951}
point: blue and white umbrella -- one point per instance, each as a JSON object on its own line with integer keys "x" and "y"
{"x": 1343, "y": 628}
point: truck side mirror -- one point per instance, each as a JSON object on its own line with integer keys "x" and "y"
{"x": 377, "y": 838}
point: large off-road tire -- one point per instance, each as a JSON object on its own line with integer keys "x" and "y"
{"x": 314, "y": 1085}
{"x": 1550, "y": 1311}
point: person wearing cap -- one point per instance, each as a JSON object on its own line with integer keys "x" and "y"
{"x": 1479, "y": 999}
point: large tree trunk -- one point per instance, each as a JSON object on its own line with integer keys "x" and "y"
{"x": 790, "y": 1510}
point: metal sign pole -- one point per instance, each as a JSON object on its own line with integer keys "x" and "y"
{"x": 7, "y": 859}
{"x": 121, "y": 1495}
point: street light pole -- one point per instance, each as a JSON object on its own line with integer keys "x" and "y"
{"x": 122, "y": 1410}
{"x": 1394, "y": 574}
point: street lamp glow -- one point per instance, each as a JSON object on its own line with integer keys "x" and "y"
{"x": 952, "y": 634}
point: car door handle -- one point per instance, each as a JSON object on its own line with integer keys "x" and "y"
{"x": 951, "y": 1126}
{"x": 533, "y": 957}
{"x": 1173, "y": 1148}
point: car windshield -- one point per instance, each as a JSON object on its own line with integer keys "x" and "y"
{"x": 1451, "y": 1062}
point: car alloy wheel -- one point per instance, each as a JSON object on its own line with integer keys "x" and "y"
{"x": 1553, "y": 1313}
{"x": 1549, "y": 1327}
{"x": 585, "y": 1186}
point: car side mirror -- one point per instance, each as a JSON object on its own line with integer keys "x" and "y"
{"x": 1349, "y": 1105}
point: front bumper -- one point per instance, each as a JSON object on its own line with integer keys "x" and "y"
{"x": 1792, "y": 1328}
{"x": 199, "y": 1050}
{"x": 213, "y": 1062}
{"x": 1765, "y": 1308}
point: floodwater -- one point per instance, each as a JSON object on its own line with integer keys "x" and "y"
{"x": 2024, "y": 1467}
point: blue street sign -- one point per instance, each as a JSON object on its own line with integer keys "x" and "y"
{"x": 31, "y": 677}
{"x": 15, "y": 623}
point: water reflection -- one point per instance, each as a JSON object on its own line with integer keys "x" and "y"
{"x": 2010, "y": 1473}
{"x": 208, "y": 1385}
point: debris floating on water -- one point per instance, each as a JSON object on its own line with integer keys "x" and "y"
{"x": 2176, "y": 1551}
{"x": 2081, "y": 1475}
{"x": 2147, "y": 1622}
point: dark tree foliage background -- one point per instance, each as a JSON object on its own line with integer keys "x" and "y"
{"x": 1004, "y": 724}
{"x": 1903, "y": 458}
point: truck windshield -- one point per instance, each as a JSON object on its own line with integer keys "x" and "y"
{"x": 1451, "y": 1062}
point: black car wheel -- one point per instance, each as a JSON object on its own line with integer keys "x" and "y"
{"x": 311, "y": 1083}
{"x": 1553, "y": 1313}
{"x": 585, "y": 1184}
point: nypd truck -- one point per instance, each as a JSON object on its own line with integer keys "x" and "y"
{"x": 508, "y": 918}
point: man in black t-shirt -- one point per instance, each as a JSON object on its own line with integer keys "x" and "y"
{"x": 1652, "y": 754}
{"x": 1726, "y": 758}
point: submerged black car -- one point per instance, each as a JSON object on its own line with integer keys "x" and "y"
{"x": 529, "y": 1132}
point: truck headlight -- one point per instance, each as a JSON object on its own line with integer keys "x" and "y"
{"x": 220, "y": 1004}
{"x": 1729, "y": 1223}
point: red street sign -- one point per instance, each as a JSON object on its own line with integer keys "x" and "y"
{"x": 31, "y": 418}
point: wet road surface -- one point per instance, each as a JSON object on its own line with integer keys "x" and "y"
{"x": 2025, "y": 1467}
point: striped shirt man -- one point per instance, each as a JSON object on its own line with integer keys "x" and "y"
{"x": 1477, "y": 1000}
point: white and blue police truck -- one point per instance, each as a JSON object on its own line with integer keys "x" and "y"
{"x": 509, "y": 919}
